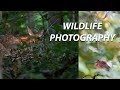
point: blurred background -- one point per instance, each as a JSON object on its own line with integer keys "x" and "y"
{"x": 90, "y": 52}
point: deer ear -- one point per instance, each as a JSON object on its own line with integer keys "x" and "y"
{"x": 41, "y": 33}
{"x": 30, "y": 31}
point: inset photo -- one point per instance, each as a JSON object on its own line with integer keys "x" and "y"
{"x": 99, "y": 45}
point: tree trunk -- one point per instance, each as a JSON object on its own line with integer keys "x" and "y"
{"x": 0, "y": 15}
{"x": 1, "y": 68}
{"x": 30, "y": 19}
{"x": 73, "y": 16}
{"x": 55, "y": 19}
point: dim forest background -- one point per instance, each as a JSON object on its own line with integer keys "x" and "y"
{"x": 45, "y": 60}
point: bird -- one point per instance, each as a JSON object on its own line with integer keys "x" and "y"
{"x": 102, "y": 65}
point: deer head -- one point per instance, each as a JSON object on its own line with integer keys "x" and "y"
{"x": 31, "y": 40}
{"x": 35, "y": 35}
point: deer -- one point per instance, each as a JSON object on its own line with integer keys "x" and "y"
{"x": 30, "y": 40}
{"x": 9, "y": 41}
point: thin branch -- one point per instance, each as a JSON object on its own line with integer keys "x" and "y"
{"x": 86, "y": 76}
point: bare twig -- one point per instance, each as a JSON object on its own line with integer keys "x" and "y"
{"x": 93, "y": 77}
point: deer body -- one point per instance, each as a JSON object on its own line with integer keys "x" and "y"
{"x": 8, "y": 42}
